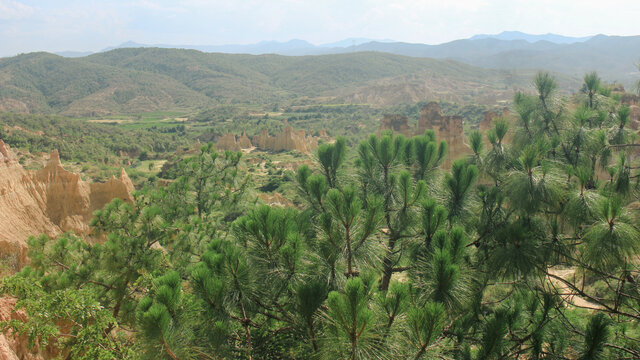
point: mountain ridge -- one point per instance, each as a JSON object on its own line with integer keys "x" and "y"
{"x": 134, "y": 80}
{"x": 518, "y": 35}
{"x": 278, "y": 47}
{"x": 614, "y": 57}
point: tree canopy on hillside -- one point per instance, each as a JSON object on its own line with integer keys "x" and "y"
{"x": 527, "y": 248}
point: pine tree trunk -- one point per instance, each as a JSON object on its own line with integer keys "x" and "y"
{"x": 349, "y": 273}
{"x": 387, "y": 265}
{"x": 245, "y": 324}
{"x": 312, "y": 334}
{"x": 168, "y": 349}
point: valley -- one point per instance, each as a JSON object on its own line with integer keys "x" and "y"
{"x": 400, "y": 202}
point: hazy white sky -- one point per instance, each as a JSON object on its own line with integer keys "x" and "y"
{"x": 90, "y": 25}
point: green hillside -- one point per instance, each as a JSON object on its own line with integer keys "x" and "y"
{"x": 219, "y": 78}
{"x": 49, "y": 83}
{"x": 130, "y": 81}
{"x": 311, "y": 76}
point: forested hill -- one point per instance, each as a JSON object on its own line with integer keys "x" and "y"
{"x": 43, "y": 82}
{"x": 148, "y": 79}
{"x": 613, "y": 57}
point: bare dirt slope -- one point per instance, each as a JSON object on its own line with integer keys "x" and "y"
{"x": 48, "y": 201}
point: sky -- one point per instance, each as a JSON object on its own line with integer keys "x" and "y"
{"x": 89, "y": 25}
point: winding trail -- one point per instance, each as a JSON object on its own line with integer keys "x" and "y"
{"x": 567, "y": 294}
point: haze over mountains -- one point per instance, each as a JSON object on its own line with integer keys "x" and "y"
{"x": 518, "y": 35}
{"x": 302, "y": 47}
{"x": 614, "y": 57}
{"x": 134, "y": 78}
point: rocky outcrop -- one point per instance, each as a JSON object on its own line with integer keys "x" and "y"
{"x": 262, "y": 140}
{"x": 227, "y": 142}
{"x": 289, "y": 139}
{"x": 324, "y": 136}
{"x": 47, "y": 201}
{"x": 396, "y": 123}
{"x": 487, "y": 124}
{"x": 65, "y": 193}
{"x": 244, "y": 141}
{"x": 22, "y": 204}
{"x": 447, "y": 128}
{"x": 70, "y": 202}
{"x": 628, "y": 99}
{"x": 14, "y": 347}
{"x": 431, "y": 117}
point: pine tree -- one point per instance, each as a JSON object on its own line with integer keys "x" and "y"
{"x": 351, "y": 323}
{"x": 163, "y": 321}
{"x": 425, "y": 326}
{"x": 520, "y": 250}
{"x": 591, "y": 86}
{"x": 459, "y": 186}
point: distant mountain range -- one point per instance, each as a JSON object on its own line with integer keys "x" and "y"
{"x": 135, "y": 80}
{"x": 614, "y": 57}
{"x": 294, "y": 47}
{"x": 302, "y": 47}
{"x": 517, "y": 35}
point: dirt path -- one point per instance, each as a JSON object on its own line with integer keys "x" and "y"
{"x": 569, "y": 296}
{"x": 108, "y": 121}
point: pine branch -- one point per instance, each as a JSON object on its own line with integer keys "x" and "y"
{"x": 605, "y": 307}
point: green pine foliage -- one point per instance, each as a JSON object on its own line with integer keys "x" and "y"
{"x": 528, "y": 248}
